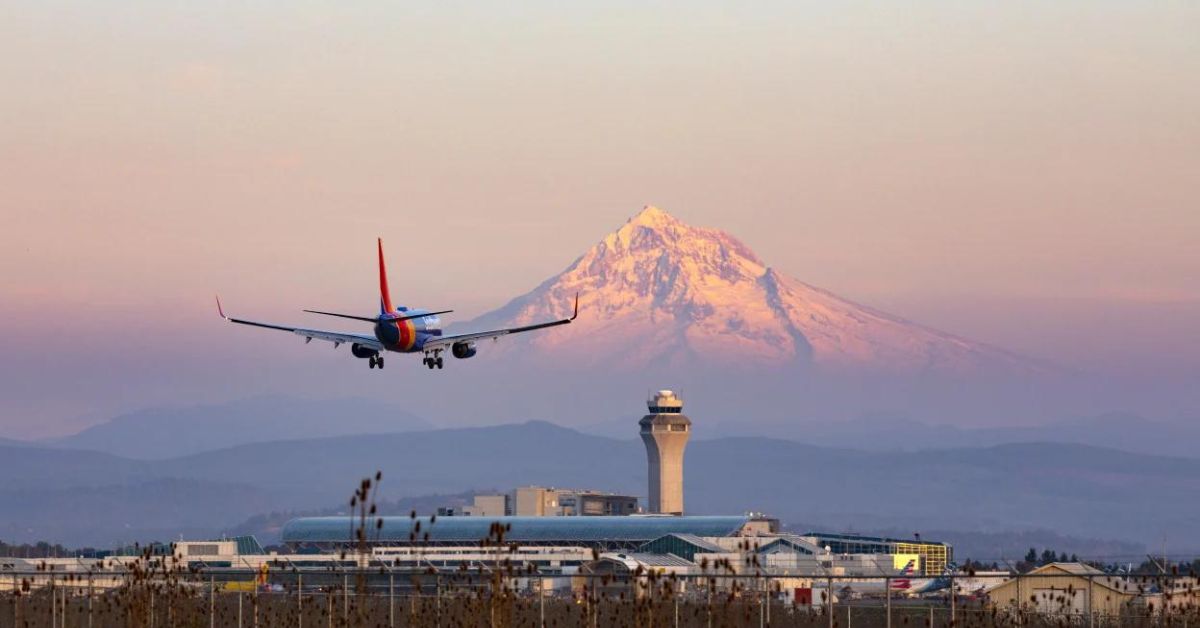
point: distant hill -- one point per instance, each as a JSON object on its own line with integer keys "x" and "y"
{"x": 326, "y": 471}
{"x": 160, "y": 433}
{"x": 1127, "y": 432}
{"x": 29, "y": 467}
{"x": 107, "y": 516}
{"x": 94, "y": 498}
{"x": 1072, "y": 489}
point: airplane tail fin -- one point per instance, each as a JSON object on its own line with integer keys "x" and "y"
{"x": 385, "y": 299}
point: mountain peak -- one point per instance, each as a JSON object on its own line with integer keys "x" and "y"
{"x": 658, "y": 291}
{"x": 652, "y": 216}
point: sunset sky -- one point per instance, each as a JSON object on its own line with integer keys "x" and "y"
{"x": 1026, "y": 174}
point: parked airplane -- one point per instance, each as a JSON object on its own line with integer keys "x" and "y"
{"x": 921, "y": 586}
{"x": 401, "y": 329}
{"x": 900, "y": 583}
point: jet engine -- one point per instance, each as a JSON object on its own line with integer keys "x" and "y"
{"x": 463, "y": 350}
{"x": 360, "y": 351}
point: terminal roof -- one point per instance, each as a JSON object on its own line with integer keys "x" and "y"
{"x": 472, "y": 530}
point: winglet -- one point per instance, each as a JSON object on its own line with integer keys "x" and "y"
{"x": 219, "y": 310}
{"x": 576, "y": 313}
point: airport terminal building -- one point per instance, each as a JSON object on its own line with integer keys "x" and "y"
{"x": 933, "y": 556}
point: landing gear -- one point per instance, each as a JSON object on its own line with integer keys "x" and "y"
{"x": 433, "y": 362}
{"x": 371, "y": 362}
{"x": 376, "y": 361}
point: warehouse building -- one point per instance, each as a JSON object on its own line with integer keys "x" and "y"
{"x": 1065, "y": 589}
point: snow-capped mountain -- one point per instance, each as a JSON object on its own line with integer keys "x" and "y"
{"x": 659, "y": 292}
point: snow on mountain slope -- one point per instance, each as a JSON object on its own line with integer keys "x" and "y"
{"x": 659, "y": 292}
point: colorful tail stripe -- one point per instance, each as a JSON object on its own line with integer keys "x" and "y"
{"x": 384, "y": 296}
{"x": 407, "y": 329}
{"x": 904, "y": 583}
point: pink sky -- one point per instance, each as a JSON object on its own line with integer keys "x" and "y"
{"x": 1021, "y": 174}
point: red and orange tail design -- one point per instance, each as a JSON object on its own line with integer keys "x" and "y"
{"x": 385, "y": 299}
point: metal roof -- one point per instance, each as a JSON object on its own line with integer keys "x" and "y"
{"x": 472, "y": 530}
{"x": 867, "y": 539}
{"x": 695, "y": 541}
{"x": 659, "y": 560}
{"x": 248, "y": 544}
{"x": 795, "y": 544}
{"x": 1079, "y": 569}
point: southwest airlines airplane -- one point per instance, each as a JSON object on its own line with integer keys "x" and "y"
{"x": 401, "y": 329}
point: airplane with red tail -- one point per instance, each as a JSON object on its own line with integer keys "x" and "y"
{"x": 401, "y": 329}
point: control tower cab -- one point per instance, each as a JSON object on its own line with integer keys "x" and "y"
{"x": 665, "y": 432}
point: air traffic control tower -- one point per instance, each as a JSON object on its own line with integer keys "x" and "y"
{"x": 665, "y": 431}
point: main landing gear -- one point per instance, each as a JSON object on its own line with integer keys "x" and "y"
{"x": 433, "y": 362}
{"x": 376, "y": 360}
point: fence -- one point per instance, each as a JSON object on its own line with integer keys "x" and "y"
{"x": 151, "y": 597}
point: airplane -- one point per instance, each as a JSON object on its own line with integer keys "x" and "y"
{"x": 900, "y": 583}
{"x": 401, "y": 329}
{"x": 922, "y": 586}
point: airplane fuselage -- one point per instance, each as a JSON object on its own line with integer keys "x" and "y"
{"x": 407, "y": 336}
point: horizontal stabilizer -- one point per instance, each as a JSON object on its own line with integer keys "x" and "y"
{"x": 379, "y": 318}
{"x": 357, "y": 318}
{"x": 422, "y": 315}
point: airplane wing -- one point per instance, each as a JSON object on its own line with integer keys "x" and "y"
{"x": 337, "y": 338}
{"x": 442, "y": 342}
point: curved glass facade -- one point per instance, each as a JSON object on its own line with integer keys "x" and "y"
{"x": 601, "y": 531}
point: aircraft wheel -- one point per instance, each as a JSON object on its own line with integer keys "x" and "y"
{"x": 371, "y": 362}
{"x": 439, "y": 362}
{"x": 379, "y": 361}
